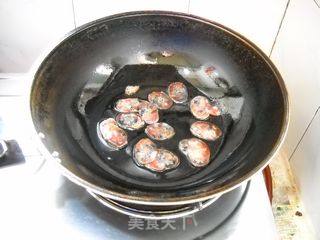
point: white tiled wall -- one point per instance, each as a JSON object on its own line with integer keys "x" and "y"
{"x": 297, "y": 56}
{"x": 26, "y": 28}
{"x": 257, "y": 20}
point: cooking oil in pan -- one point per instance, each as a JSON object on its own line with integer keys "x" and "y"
{"x": 149, "y": 78}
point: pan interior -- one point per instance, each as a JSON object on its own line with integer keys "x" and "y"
{"x": 150, "y": 77}
{"x": 127, "y": 48}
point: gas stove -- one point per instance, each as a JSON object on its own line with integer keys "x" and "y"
{"x": 37, "y": 202}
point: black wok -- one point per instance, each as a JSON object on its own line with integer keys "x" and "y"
{"x": 100, "y": 58}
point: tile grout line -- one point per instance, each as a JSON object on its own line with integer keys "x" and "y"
{"x": 188, "y": 6}
{"x": 74, "y": 15}
{"x": 304, "y": 133}
{"x": 9, "y": 95}
{"x": 279, "y": 28}
{"x": 316, "y": 2}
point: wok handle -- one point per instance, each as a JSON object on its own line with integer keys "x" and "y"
{"x": 3, "y": 148}
{"x": 10, "y": 153}
{"x": 268, "y": 181}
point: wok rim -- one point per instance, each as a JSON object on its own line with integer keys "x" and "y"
{"x": 156, "y": 199}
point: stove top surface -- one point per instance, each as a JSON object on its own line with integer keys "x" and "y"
{"x": 47, "y": 205}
